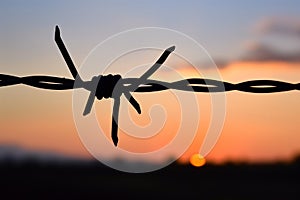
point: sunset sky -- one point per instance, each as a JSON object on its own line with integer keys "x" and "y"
{"x": 246, "y": 39}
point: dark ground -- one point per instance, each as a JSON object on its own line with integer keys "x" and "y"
{"x": 91, "y": 180}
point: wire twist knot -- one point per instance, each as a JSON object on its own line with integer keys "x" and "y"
{"x": 106, "y": 85}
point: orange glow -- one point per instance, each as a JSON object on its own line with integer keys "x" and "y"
{"x": 258, "y": 127}
{"x": 197, "y": 160}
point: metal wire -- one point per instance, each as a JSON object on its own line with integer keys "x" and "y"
{"x": 192, "y": 84}
{"x": 113, "y": 86}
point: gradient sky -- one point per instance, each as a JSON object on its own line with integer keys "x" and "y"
{"x": 247, "y": 40}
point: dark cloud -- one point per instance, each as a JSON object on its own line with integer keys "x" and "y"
{"x": 219, "y": 63}
{"x": 279, "y": 50}
{"x": 263, "y": 52}
{"x": 275, "y": 25}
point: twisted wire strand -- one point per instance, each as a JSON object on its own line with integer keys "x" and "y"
{"x": 192, "y": 84}
{"x": 43, "y": 82}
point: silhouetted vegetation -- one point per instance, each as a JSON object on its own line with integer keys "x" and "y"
{"x": 91, "y": 179}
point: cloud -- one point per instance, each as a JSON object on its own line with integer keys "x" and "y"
{"x": 263, "y": 52}
{"x": 285, "y": 47}
{"x": 258, "y": 52}
{"x": 219, "y": 63}
{"x": 282, "y": 48}
{"x": 286, "y": 26}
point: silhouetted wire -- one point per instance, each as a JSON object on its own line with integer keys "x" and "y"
{"x": 192, "y": 84}
{"x": 113, "y": 86}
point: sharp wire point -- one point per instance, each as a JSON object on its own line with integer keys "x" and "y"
{"x": 66, "y": 55}
{"x": 57, "y": 31}
{"x": 115, "y": 141}
{"x": 115, "y": 119}
{"x": 133, "y": 102}
{"x": 171, "y": 49}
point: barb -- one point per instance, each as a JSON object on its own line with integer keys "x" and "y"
{"x": 113, "y": 86}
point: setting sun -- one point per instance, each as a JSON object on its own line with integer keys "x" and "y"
{"x": 197, "y": 160}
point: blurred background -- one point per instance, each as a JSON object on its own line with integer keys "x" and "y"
{"x": 247, "y": 40}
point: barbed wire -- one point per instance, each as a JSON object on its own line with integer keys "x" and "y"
{"x": 113, "y": 86}
{"x": 191, "y": 84}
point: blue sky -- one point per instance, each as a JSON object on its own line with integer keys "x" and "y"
{"x": 220, "y": 26}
